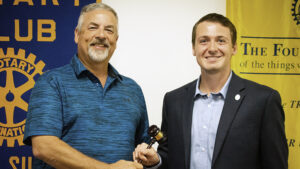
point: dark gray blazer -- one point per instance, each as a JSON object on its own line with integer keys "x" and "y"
{"x": 250, "y": 135}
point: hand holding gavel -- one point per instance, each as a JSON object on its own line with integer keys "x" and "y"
{"x": 156, "y": 135}
{"x": 146, "y": 155}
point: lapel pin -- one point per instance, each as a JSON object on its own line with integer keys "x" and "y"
{"x": 237, "y": 97}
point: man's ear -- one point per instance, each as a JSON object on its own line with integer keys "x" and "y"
{"x": 76, "y": 35}
{"x": 194, "y": 53}
{"x": 234, "y": 49}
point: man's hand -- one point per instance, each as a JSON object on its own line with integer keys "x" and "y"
{"x": 147, "y": 157}
{"x": 122, "y": 164}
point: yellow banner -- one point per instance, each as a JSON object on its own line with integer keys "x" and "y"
{"x": 268, "y": 53}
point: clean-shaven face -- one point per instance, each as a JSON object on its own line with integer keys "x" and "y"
{"x": 213, "y": 47}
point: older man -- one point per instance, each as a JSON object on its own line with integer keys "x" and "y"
{"x": 85, "y": 114}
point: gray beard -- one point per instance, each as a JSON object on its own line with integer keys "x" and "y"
{"x": 98, "y": 56}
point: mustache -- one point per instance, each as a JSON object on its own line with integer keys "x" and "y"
{"x": 100, "y": 42}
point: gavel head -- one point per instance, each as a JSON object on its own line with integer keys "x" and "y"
{"x": 154, "y": 132}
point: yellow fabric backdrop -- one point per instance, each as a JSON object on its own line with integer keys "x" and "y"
{"x": 268, "y": 53}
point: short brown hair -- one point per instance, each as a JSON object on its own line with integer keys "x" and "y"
{"x": 218, "y": 18}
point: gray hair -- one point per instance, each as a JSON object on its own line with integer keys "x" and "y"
{"x": 91, "y": 7}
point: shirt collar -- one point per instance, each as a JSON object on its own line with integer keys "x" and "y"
{"x": 223, "y": 91}
{"x": 80, "y": 69}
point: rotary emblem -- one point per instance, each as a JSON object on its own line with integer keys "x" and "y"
{"x": 17, "y": 78}
{"x": 296, "y": 11}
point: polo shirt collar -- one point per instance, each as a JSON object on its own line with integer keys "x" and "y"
{"x": 80, "y": 69}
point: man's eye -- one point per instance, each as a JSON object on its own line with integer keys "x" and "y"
{"x": 92, "y": 28}
{"x": 110, "y": 30}
{"x": 221, "y": 40}
{"x": 203, "y": 41}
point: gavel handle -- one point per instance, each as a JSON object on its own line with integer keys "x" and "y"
{"x": 151, "y": 143}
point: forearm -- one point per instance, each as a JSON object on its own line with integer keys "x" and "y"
{"x": 60, "y": 155}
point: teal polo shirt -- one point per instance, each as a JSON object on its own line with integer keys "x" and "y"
{"x": 104, "y": 123}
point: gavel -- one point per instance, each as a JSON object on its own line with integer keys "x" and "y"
{"x": 156, "y": 135}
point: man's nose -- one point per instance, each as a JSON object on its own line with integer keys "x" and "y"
{"x": 212, "y": 47}
{"x": 100, "y": 34}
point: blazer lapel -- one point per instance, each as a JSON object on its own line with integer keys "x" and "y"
{"x": 187, "y": 120}
{"x": 234, "y": 98}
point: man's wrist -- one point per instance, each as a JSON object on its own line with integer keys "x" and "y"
{"x": 155, "y": 166}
